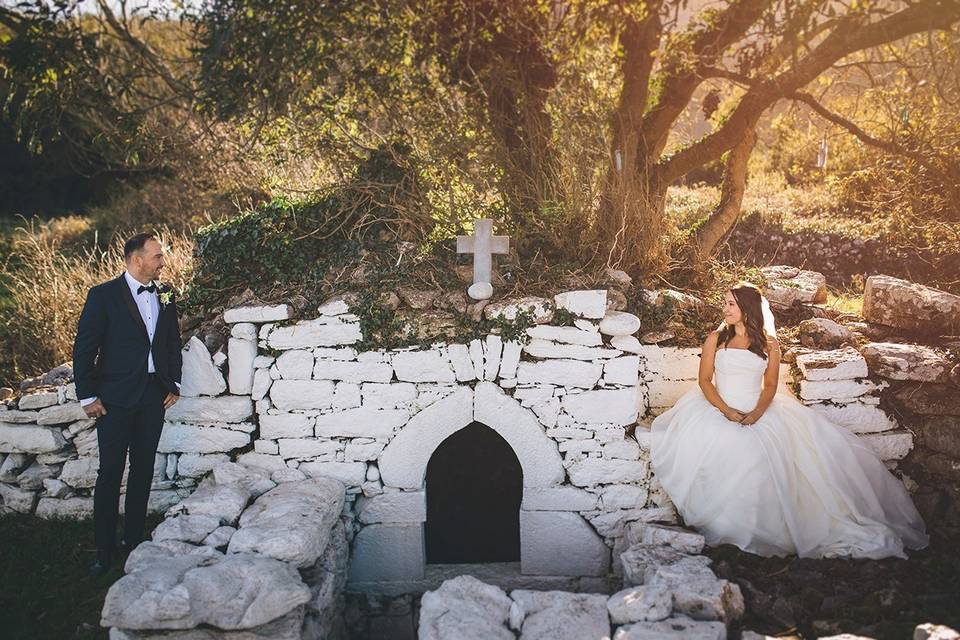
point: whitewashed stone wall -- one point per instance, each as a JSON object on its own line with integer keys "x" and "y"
{"x": 298, "y": 398}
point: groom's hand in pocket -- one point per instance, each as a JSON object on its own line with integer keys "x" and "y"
{"x": 170, "y": 400}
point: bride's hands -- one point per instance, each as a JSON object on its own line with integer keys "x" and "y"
{"x": 733, "y": 415}
{"x": 751, "y": 417}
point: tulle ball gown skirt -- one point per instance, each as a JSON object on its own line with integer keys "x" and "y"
{"x": 791, "y": 483}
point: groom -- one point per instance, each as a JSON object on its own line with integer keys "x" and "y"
{"x": 126, "y": 365}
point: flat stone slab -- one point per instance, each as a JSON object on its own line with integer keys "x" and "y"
{"x": 646, "y": 603}
{"x": 674, "y": 628}
{"x": 259, "y": 314}
{"x": 907, "y": 362}
{"x": 786, "y": 285}
{"x": 16, "y": 438}
{"x": 838, "y": 364}
{"x": 907, "y": 305}
{"x": 559, "y": 615}
{"x": 465, "y": 609}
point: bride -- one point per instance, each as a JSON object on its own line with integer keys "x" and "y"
{"x": 751, "y": 467}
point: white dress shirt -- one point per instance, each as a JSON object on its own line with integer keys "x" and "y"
{"x": 149, "y": 306}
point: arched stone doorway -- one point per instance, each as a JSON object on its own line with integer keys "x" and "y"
{"x": 474, "y": 488}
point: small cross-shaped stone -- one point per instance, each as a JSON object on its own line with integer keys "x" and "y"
{"x": 482, "y": 244}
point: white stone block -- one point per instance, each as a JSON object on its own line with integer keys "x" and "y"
{"x": 493, "y": 349}
{"x": 361, "y": 422}
{"x": 191, "y": 438}
{"x": 346, "y": 395}
{"x": 623, "y": 449}
{"x": 835, "y": 389}
{"x": 199, "y": 376}
{"x": 510, "y": 360}
{"x": 558, "y": 543}
{"x": 61, "y": 413}
{"x": 459, "y": 355}
{"x": 393, "y": 507}
{"x": 337, "y": 353}
{"x": 296, "y": 364}
{"x": 258, "y": 314}
{"x": 38, "y": 400}
{"x": 838, "y": 364}
{"x": 890, "y": 445}
{"x": 362, "y": 452}
{"x": 307, "y": 448}
{"x": 240, "y": 355}
{"x": 547, "y": 349}
{"x": 261, "y": 384}
{"x": 81, "y": 473}
{"x": 586, "y": 304}
{"x": 268, "y": 447}
{"x": 569, "y": 335}
{"x": 571, "y": 373}
{"x": 594, "y": 471}
{"x": 65, "y": 508}
{"x": 334, "y": 307}
{"x": 671, "y": 363}
{"x": 476, "y": 357}
{"x": 629, "y": 344}
{"x": 857, "y": 416}
{"x": 388, "y": 553}
{"x": 563, "y": 498}
{"x": 623, "y": 370}
{"x": 351, "y": 474}
{"x": 204, "y": 409}
{"x": 388, "y": 396}
{"x": 29, "y": 439}
{"x": 623, "y": 496}
{"x": 616, "y": 406}
{"x": 192, "y": 465}
{"x": 287, "y": 395}
{"x": 353, "y": 371}
{"x": 619, "y": 323}
{"x": 327, "y": 331}
{"x": 260, "y": 461}
{"x": 422, "y": 366}
{"x": 665, "y": 393}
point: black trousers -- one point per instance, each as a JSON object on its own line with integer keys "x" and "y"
{"x": 136, "y": 430}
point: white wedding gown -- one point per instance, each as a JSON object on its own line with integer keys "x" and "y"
{"x": 793, "y": 482}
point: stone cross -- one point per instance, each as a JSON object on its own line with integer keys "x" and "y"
{"x": 482, "y": 244}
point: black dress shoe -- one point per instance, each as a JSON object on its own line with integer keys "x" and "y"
{"x": 102, "y": 564}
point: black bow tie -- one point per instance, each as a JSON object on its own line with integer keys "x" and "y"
{"x": 151, "y": 288}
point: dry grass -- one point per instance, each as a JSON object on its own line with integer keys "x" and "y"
{"x": 47, "y": 275}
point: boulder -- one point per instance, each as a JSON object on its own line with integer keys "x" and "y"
{"x": 648, "y": 533}
{"x": 823, "y": 333}
{"x": 907, "y": 362}
{"x": 225, "y": 503}
{"x": 464, "y": 608}
{"x": 646, "y": 603}
{"x": 787, "y": 285}
{"x": 559, "y": 615}
{"x": 200, "y": 377}
{"x": 238, "y": 591}
{"x": 30, "y": 439}
{"x": 907, "y": 305}
{"x": 619, "y": 323}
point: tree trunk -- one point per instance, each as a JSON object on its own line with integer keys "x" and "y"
{"x": 725, "y": 216}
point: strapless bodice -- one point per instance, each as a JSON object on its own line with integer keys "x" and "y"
{"x": 738, "y": 376}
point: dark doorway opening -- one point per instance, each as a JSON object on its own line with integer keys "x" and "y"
{"x": 474, "y": 488}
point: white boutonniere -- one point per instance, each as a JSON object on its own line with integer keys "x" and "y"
{"x": 166, "y": 296}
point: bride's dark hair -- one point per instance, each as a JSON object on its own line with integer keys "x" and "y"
{"x": 748, "y": 299}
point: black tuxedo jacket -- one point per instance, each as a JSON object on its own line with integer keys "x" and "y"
{"x": 111, "y": 348}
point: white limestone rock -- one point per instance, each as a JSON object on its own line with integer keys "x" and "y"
{"x": 464, "y": 608}
{"x": 836, "y": 390}
{"x": 838, "y": 364}
{"x": 623, "y": 496}
{"x": 261, "y": 461}
{"x": 619, "y": 323}
{"x": 353, "y": 371}
{"x": 219, "y": 537}
{"x": 81, "y": 473}
{"x": 594, "y": 471}
{"x": 646, "y": 603}
{"x": 623, "y": 370}
{"x": 422, "y": 366}
{"x": 295, "y": 364}
{"x": 29, "y": 439}
{"x": 858, "y": 417}
{"x": 546, "y": 349}
{"x": 65, "y": 508}
{"x": 649, "y": 533}
{"x": 510, "y": 360}
{"x": 346, "y": 395}
{"x": 241, "y": 352}
{"x": 628, "y": 344}
{"x": 540, "y": 309}
{"x": 203, "y": 410}
{"x": 362, "y": 452}
{"x": 568, "y": 335}
{"x": 907, "y": 305}
{"x": 292, "y": 522}
{"x": 361, "y": 422}
{"x": 351, "y": 474}
{"x": 335, "y": 306}
{"x": 192, "y": 465}
{"x": 226, "y": 592}
{"x": 200, "y": 377}
{"x": 17, "y": 499}
{"x": 61, "y": 413}
{"x": 190, "y": 438}
{"x": 459, "y": 355}
{"x": 560, "y": 543}
{"x": 191, "y": 529}
{"x": 493, "y": 349}
{"x": 258, "y": 314}
{"x": 786, "y": 285}
{"x": 673, "y": 628}
{"x": 560, "y": 615}
{"x": 905, "y": 362}
{"x": 261, "y": 384}
{"x": 392, "y": 507}
{"x": 388, "y": 396}
{"x": 14, "y": 416}
{"x": 13, "y": 465}
{"x": 55, "y": 488}
{"x": 570, "y": 373}
{"x": 33, "y": 476}
{"x": 288, "y": 395}
{"x": 563, "y": 498}
{"x": 889, "y": 445}
{"x": 307, "y": 448}
{"x": 38, "y": 400}
{"x": 616, "y": 406}
{"x": 586, "y": 304}
{"x": 326, "y": 331}
{"x": 224, "y": 502}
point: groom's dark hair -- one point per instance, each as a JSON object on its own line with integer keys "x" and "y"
{"x": 135, "y": 243}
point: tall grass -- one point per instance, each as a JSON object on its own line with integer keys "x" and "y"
{"x": 46, "y": 276}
